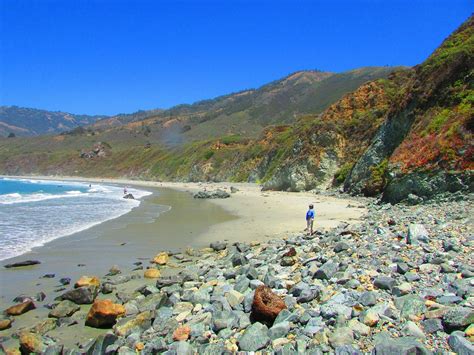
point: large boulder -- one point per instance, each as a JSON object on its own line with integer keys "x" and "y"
{"x": 152, "y": 273}
{"x": 459, "y": 344}
{"x": 266, "y": 305}
{"x": 104, "y": 313}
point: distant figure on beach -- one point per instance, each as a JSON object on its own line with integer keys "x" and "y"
{"x": 125, "y": 190}
{"x": 310, "y": 219}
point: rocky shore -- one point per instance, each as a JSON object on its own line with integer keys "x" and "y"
{"x": 400, "y": 282}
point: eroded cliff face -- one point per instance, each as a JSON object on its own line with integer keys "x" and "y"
{"x": 425, "y": 145}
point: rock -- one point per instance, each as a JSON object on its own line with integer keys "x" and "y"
{"x": 279, "y": 330}
{"x": 346, "y": 350}
{"x": 254, "y": 338}
{"x": 218, "y": 246}
{"x": 385, "y": 283}
{"x": 234, "y": 298}
{"x": 410, "y": 306}
{"x": 238, "y": 259}
{"x": 48, "y": 276}
{"x": 370, "y": 318}
{"x": 64, "y": 308}
{"x": 181, "y": 333}
{"x": 459, "y": 344}
{"x": 411, "y": 329}
{"x": 99, "y": 345}
{"x": 400, "y": 346}
{"x": 129, "y": 196}
{"x": 402, "y": 289}
{"x": 222, "y": 320}
{"x": 81, "y": 295}
{"x": 327, "y": 270}
{"x": 87, "y": 281}
{"x": 402, "y": 268}
{"x": 266, "y": 305}
{"x": 114, "y": 270}
{"x": 288, "y": 261}
{"x": 415, "y": 233}
{"x": 432, "y": 326}
{"x": 31, "y": 343}
{"x": 211, "y": 194}
{"x": 107, "y": 288}
{"x": 22, "y": 263}
{"x": 458, "y": 318}
{"x": 5, "y": 323}
{"x": 341, "y": 336}
{"x": 65, "y": 281}
{"x": 44, "y": 326}
{"x": 20, "y": 308}
{"x": 152, "y": 273}
{"x": 161, "y": 258}
{"x": 358, "y": 327}
{"x": 368, "y": 298}
{"x": 341, "y": 246}
{"x": 234, "y": 189}
{"x": 125, "y": 326}
{"x": 290, "y": 252}
{"x": 104, "y": 313}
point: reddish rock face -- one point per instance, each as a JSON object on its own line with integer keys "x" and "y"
{"x": 104, "y": 313}
{"x": 21, "y": 308}
{"x": 182, "y": 333}
{"x": 266, "y": 305}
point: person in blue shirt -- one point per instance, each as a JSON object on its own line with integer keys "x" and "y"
{"x": 310, "y": 219}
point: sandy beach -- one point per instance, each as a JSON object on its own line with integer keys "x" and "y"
{"x": 170, "y": 219}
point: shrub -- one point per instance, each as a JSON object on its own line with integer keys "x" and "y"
{"x": 341, "y": 175}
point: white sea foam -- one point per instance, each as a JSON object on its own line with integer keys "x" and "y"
{"x": 31, "y": 220}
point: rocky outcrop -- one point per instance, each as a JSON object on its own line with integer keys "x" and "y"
{"x": 211, "y": 194}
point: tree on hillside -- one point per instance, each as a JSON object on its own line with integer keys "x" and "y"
{"x": 11, "y": 135}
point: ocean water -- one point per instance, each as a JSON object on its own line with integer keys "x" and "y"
{"x": 34, "y": 212}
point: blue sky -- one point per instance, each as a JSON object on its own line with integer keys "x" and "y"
{"x": 107, "y": 57}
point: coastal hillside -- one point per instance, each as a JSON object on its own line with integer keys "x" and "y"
{"x": 408, "y": 132}
{"x": 248, "y": 112}
{"x": 22, "y": 121}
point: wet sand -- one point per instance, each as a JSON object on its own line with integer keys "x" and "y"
{"x": 167, "y": 220}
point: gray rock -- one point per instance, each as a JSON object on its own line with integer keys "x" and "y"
{"x": 81, "y": 295}
{"x": 385, "y": 283}
{"x": 341, "y": 246}
{"x": 279, "y": 330}
{"x": 254, "y": 338}
{"x": 341, "y": 336}
{"x": 238, "y": 259}
{"x": 327, "y": 270}
{"x": 368, "y": 298}
{"x": 415, "y": 233}
{"x": 98, "y": 345}
{"x": 218, "y": 246}
{"x": 459, "y": 344}
{"x": 402, "y": 268}
{"x": 155, "y": 346}
{"x": 107, "y": 288}
{"x": 458, "y": 318}
{"x": 347, "y": 350}
{"x": 400, "y": 346}
{"x": 223, "y": 319}
{"x": 410, "y": 305}
{"x": 432, "y": 325}
{"x": 64, "y": 308}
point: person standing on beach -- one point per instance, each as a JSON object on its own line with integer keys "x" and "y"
{"x": 310, "y": 219}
